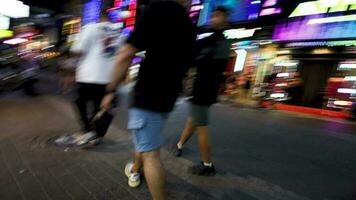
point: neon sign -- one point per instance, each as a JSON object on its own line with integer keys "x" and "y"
{"x": 240, "y": 33}
{"x": 303, "y": 30}
{"x": 124, "y": 11}
{"x": 91, "y": 11}
{"x": 6, "y": 34}
{"x": 270, "y": 7}
{"x": 322, "y": 7}
{"x": 333, "y": 19}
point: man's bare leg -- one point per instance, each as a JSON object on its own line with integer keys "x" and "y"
{"x": 204, "y": 143}
{"x": 206, "y": 168}
{"x": 137, "y": 162}
{"x": 187, "y": 132}
{"x": 154, "y": 174}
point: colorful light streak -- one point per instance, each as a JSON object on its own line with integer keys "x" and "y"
{"x": 333, "y": 19}
{"x": 301, "y": 30}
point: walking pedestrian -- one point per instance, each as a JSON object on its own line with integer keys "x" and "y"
{"x": 211, "y": 62}
{"x": 165, "y": 32}
{"x": 96, "y": 47}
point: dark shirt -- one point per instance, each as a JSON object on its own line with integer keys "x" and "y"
{"x": 211, "y": 62}
{"x": 165, "y": 32}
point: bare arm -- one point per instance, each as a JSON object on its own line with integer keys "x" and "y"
{"x": 123, "y": 62}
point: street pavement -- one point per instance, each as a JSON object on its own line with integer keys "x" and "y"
{"x": 260, "y": 154}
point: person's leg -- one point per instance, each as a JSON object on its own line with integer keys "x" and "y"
{"x": 201, "y": 122}
{"x": 154, "y": 174}
{"x": 204, "y": 142}
{"x": 187, "y": 133}
{"x": 137, "y": 162}
{"x": 81, "y": 104}
{"x": 98, "y": 93}
{"x": 147, "y": 128}
{"x": 132, "y": 170}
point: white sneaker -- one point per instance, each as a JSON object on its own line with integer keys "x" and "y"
{"x": 84, "y": 139}
{"x": 134, "y": 179}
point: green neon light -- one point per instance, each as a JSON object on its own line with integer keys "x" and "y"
{"x": 353, "y": 6}
{"x": 6, "y": 33}
{"x": 339, "y": 8}
{"x": 322, "y": 6}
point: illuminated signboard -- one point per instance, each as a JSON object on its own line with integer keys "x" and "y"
{"x": 4, "y": 22}
{"x": 323, "y": 6}
{"x": 6, "y": 34}
{"x": 270, "y": 7}
{"x": 124, "y": 11}
{"x": 91, "y": 11}
{"x": 240, "y": 33}
{"x": 269, "y": 3}
{"x": 194, "y": 11}
{"x": 232, "y": 33}
{"x": 241, "y": 10}
{"x": 14, "y": 9}
{"x": 270, "y": 11}
{"x": 333, "y": 19}
{"x": 315, "y": 27}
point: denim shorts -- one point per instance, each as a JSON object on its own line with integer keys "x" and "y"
{"x": 146, "y": 127}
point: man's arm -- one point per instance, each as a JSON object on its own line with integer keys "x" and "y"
{"x": 124, "y": 59}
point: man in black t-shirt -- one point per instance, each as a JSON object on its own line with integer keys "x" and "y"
{"x": 165, "y": 32}
{"x": 211, "y": 61}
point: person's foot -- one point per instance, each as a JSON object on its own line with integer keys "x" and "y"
{"x": 134, "y": 179}
{"x": 203, "y": 170}
{"x": 96, "y": 141}
{"x": 178, "y": 151}
{"x": 86, "y": 138}
{"x": 69, "y": 139}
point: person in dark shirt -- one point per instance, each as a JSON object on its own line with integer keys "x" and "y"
{"x": 165, "y": 32}
{"x": 211, "y": 62}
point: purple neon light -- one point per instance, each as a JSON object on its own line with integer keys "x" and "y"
{"x": 299, "y": 29}
{"x": 91, "y": 11}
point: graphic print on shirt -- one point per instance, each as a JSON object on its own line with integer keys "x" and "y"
{"x": 109, "y": 41}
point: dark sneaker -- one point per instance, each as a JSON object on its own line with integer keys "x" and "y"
{"x": 177, "y": 151}
{"x": 202, "y": 170}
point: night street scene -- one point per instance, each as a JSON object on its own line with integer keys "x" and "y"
{"x": 178, "y": 99}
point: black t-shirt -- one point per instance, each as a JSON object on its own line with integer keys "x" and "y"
{"x": 166, "y": 33}
{"x": 211, "y": 61}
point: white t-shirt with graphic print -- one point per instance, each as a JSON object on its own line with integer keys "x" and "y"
{"x": 98, "y": 44}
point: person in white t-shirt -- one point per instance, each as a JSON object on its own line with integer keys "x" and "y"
{"x": 96, "y": 47}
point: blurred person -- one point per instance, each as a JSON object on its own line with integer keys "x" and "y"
{"x": 295, "y": 90}
{"x": 67, "y": 69}
{"x": 96, "y": 47}
{"x": 165, "y": 32}
{"x": 211, "y": 63}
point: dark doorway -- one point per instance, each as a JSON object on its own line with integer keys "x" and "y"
{"x": 315, "y": 74}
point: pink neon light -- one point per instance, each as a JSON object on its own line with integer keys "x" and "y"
{"x": 270, "y": 11}
{"x": 269, "y": 3}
